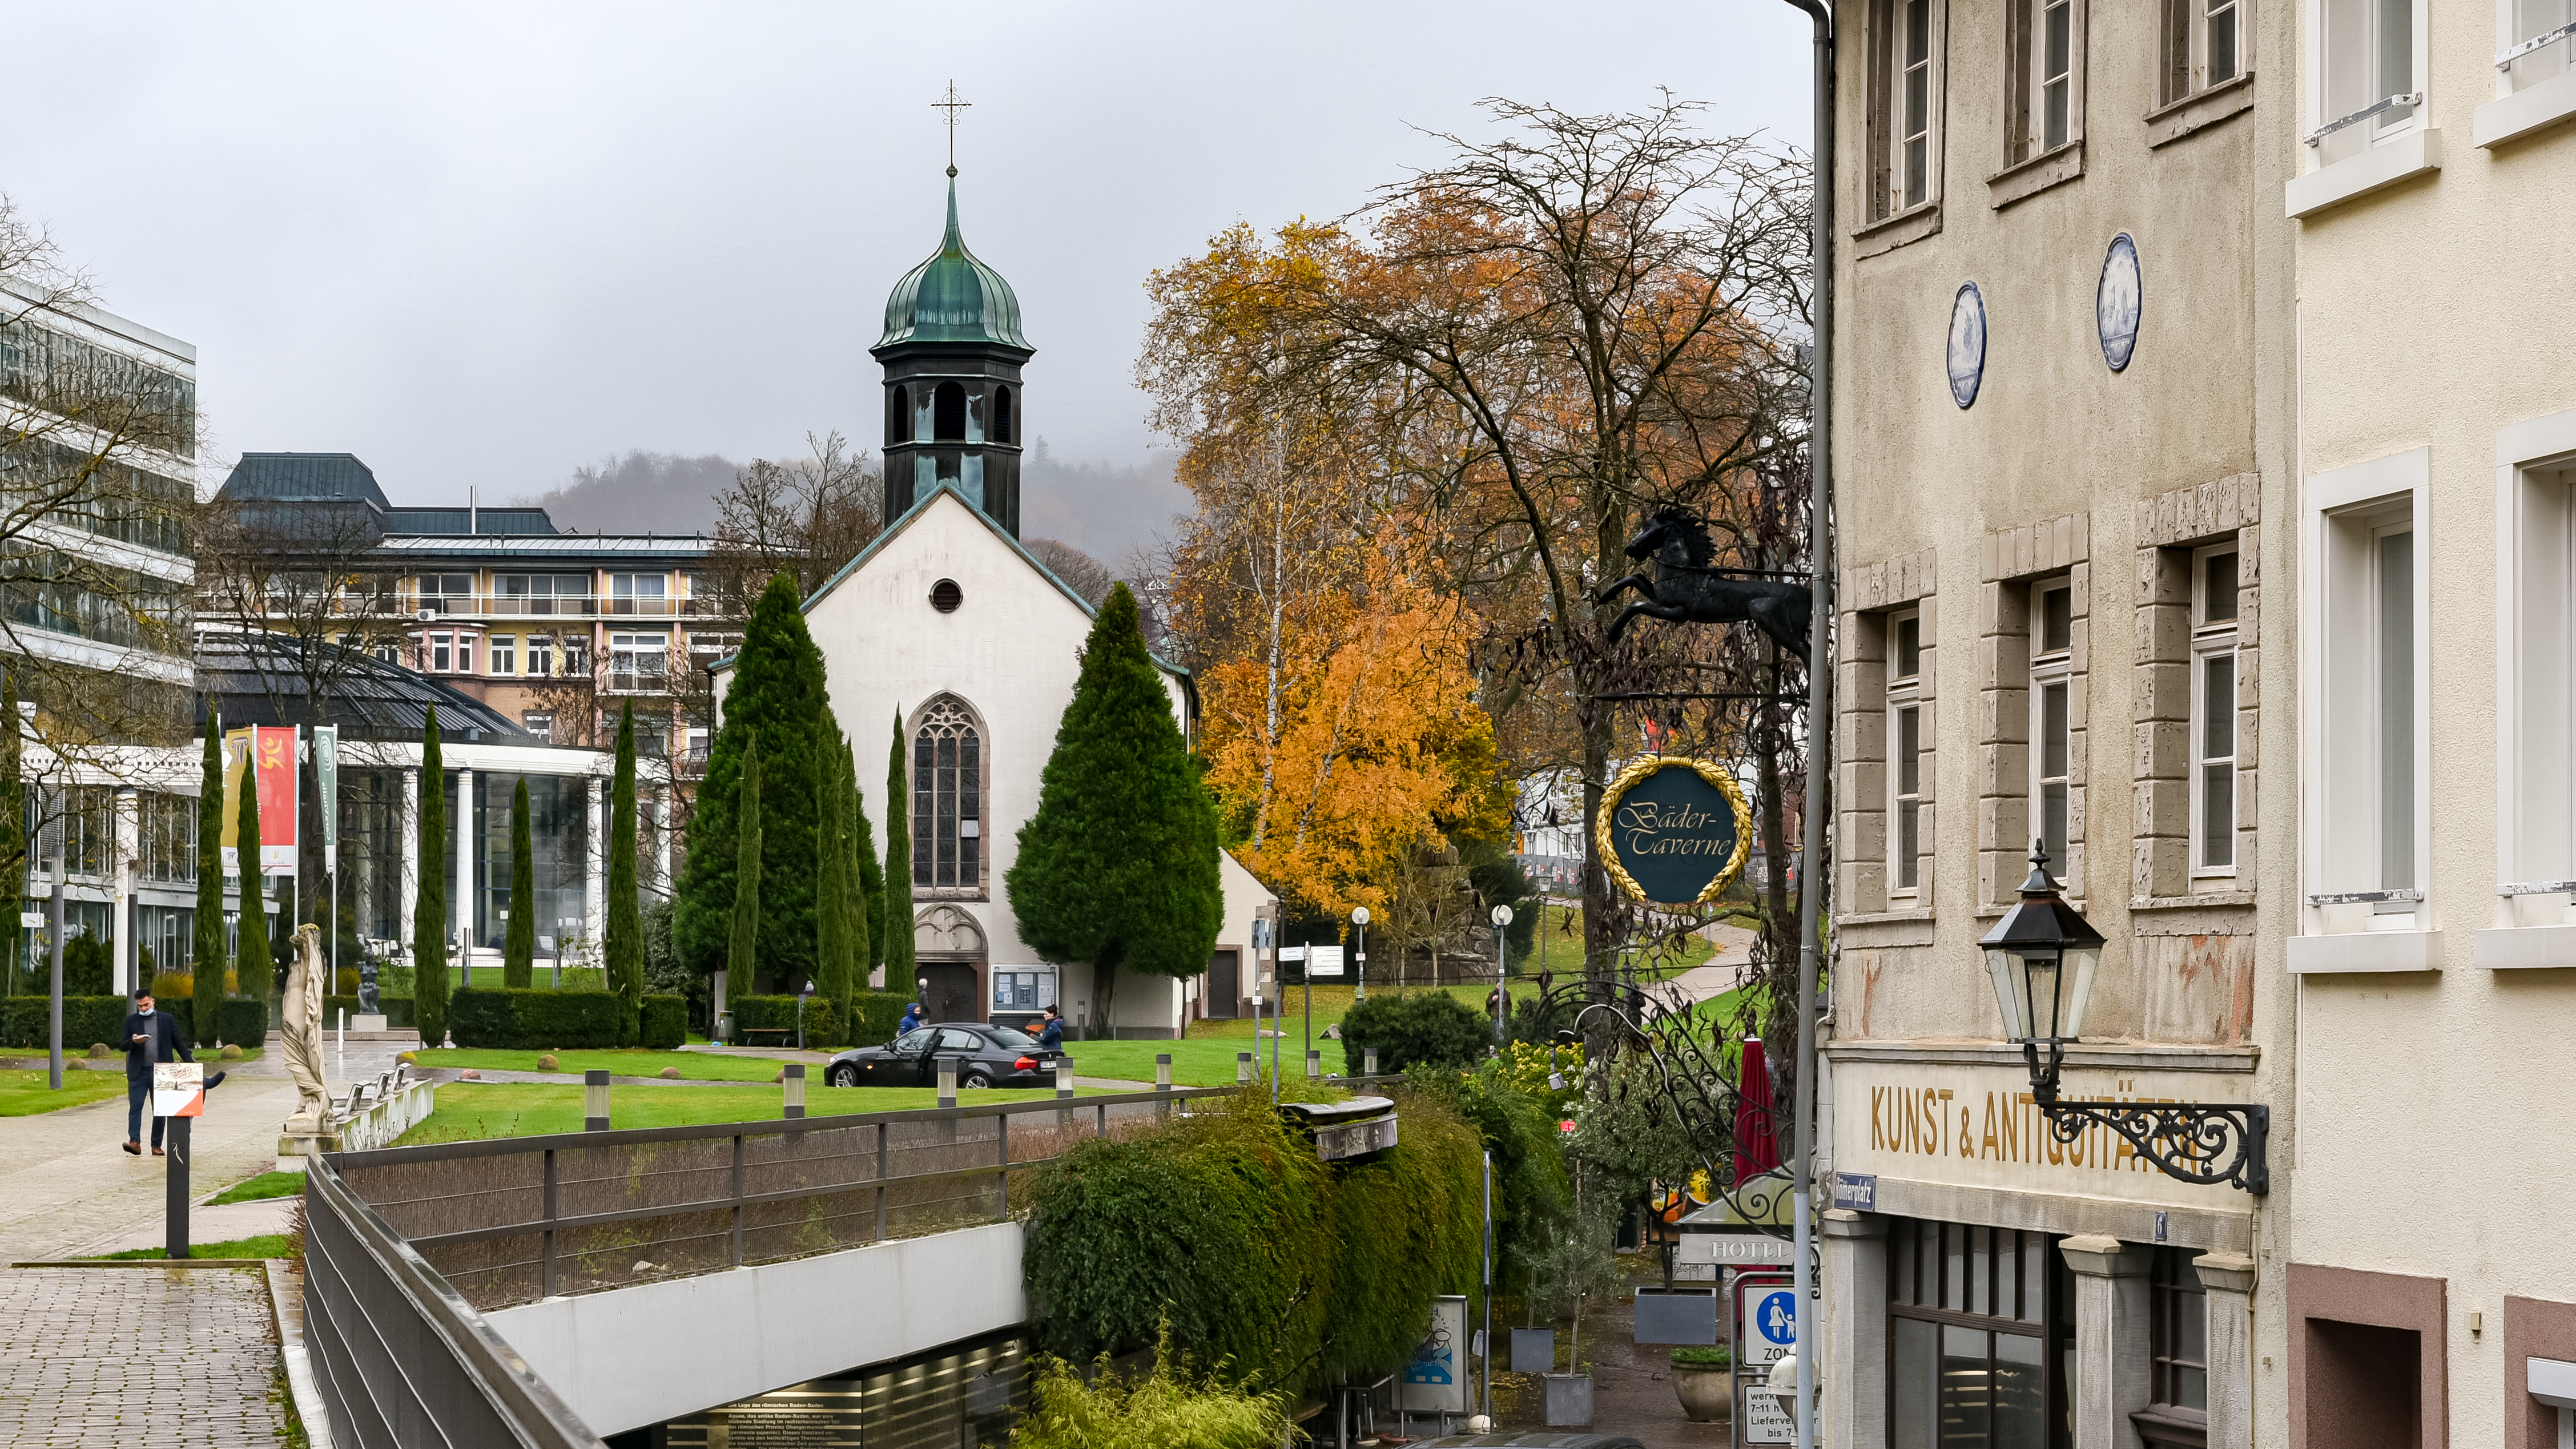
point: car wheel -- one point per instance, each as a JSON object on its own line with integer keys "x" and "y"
{"x": 844, "y": 1076}
{"x": 976, "y": 1078}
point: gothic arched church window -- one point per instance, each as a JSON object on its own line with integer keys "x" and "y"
{"x": 947, "y": 799}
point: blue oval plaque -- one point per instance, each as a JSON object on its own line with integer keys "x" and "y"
{"x": 1967, "y": 343}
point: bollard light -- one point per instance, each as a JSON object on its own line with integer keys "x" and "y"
{"x": 792, "y": 1085}
{"x": 594, "y": 1100}
{"x": 1368, "y": 1061}
{"x": 947, "y": 1081}
{"x": 1162, "y": 1071}
{"x": 1064, "y": 1076}
{"x": 1243, "y": 1069}
{"x": 1314, "y": 1064}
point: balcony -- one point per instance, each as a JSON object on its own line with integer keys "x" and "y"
{"x": 583, "y": 606}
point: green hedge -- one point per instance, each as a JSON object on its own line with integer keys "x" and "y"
{"x": 666, "y": 1022}
{"x": 242, "y": 1021}
{"x": 531, "y": 1019}
{"x": 874, "y": 1017}
{"x": 822, "y": 1019}
{"x": 397, "y": 1011}
{"x": 86, "y": 1019}
{"x": 1428, "y": 1027}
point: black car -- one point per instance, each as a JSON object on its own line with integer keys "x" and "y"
{"x": 989, "y": 1056}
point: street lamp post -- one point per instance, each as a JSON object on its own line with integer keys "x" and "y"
{"x": 1502, "y": 919}
{"x": 2042, "y": 958}
{"x": 1359, "y": 976}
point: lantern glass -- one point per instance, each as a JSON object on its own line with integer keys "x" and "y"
{"x": 2078, "y": 986}
{"x": 2041, "y": 978}
{"x": 2003, "y": 967}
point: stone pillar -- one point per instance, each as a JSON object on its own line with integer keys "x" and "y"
{"x": 127, "y": 828}
{"x": 1853, "y": 1380}
{"x": 2229, "y": 1277}
{"x": 460, "y": 905}
{"x": 408, "y": 885}
{"x": 594, "y": 879}
{"x": 2112, "y": 1327}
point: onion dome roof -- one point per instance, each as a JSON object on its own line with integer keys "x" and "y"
{"x": 953, "y": 297}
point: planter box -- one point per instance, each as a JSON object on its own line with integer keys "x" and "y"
{"x": 1677, "y": 1315}
{"x": 1569, "y": 1401}
{"x": 1533, "y": 1350}
{"x": 1707, "y": 1391}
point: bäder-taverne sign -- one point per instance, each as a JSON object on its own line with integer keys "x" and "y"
{"x": 1674, "y": 831}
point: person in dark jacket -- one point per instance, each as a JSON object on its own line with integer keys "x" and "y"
{"x": 150, "y": 1036}
{"x": 1051, "y": 1035}
{"x": 911, "y": 1018}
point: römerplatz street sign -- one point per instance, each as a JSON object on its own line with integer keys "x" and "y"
{"x": 1674, "y": 831}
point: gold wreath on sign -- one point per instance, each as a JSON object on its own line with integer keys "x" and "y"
{"x": 1643, "y": 768}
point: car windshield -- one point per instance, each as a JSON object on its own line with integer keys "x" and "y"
{"x": 1012, "y": 1038}
{"x": 914, "y": 1040}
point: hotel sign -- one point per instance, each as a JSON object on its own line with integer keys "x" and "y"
{"x": 1674, "y": 831}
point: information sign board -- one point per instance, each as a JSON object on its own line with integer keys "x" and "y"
{"x": 1766, "y": 1320}
{"x": 1323, "y": 961}
{"x": 1746, "y": 1248}
{"x": 178, "y": 1089}
{"x": 1435, "y": 1382}
{"x": 1759, "y": 1419}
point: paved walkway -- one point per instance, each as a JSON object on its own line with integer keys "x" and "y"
{"x": 106, "y": 1358}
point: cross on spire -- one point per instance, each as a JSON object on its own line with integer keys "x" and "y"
{"x": 952, "y": 106}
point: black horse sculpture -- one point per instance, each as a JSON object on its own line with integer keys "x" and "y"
{"x": 1686, "y": 590}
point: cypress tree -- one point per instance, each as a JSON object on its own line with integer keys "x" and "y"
{"x": 519, "y": 940}
{"x": 429, "y": 902}
{"x": 207, "y": 967}
{"x": 625, "y": 946}
{"x": 895, "y": 919}
{"x": 831, "y": 894}
{"x": 867, "y": 880}
{"x": 742, "y": 948}
{"x": 251, "y": 961}
{"x": 13, "y": 835}
{"x": 777, "y": 691}
{"x": 1118, "y": 867}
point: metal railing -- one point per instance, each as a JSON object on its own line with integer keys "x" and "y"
{"x": 559, "y": 606}
{"x": 513, "y": 1220}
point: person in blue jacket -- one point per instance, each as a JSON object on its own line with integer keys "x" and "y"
{"x": 1051, "y": 1035}
{"x": 911, "y": 1018}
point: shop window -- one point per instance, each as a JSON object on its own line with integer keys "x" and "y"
{"x": 2177, "y": 1411}
{"x": 1981, "y": 1338}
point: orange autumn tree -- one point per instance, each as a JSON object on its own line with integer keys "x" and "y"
{"x": 1379, "y": 746}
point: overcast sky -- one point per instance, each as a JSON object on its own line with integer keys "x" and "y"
{"x": 488, "y": 245}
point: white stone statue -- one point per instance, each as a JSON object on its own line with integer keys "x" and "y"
{"x": 301, "y": 1029}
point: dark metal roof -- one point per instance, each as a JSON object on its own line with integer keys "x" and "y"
{"x": 255, "y": 679}
{"x": 471, "y": 521}
{"x": 304, "y": 478}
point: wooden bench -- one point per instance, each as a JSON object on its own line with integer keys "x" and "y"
{"x": 783, "y": 1033}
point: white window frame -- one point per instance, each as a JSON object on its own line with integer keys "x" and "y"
{"x": 1904, "y": 701}
{"x": 2214, "y": 639}
{"x": 2189, "y": 44}
{"x": 2028, "y": 78}
{"x": 1890, "y": 20}
{"x": 2518, "y": 22}
{"x": 2535, "y": 678}
{"x": 541, "y": 656}
{"x": 2051, "y": 668}
{"x": 2348, "y": 510}
{"x": 440, "y": 648}
{"x": 501, "y": 655}
{"x": 2329, "y": 103}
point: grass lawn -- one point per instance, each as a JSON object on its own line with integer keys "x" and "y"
{"x": 636, "y": 1062}
{"x": 1199, "y": 1061}
{"x": 266, "y": 1245}
{"x": 1332, "y": 1003}
{"x": 266, "y": 1185}
{"x": 470, "y": 1111}
{"x": 24, "y": 1094}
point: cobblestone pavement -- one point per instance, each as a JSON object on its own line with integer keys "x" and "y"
{"x": 111, "y": 1357}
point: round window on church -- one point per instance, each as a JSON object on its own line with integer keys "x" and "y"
{"x": 945, "y": 596}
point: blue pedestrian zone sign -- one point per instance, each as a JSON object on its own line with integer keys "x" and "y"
{"x": 1777, "y": 1319}
{"x": 1435, "y": 1381}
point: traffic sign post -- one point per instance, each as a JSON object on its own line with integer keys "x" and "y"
{"x": 1762, "y": 1330}
{"x": 178, "y": 1094}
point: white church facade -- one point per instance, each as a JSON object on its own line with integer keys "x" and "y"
{"x": 947, "y": 625}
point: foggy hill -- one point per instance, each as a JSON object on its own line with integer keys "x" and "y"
{"x": 640, "y": 493}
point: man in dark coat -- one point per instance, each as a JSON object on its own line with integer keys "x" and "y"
{"x": 150, "y": 1036}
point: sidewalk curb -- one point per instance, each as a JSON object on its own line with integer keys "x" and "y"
{"x": 142, "y": 1263}
{"x": 309, "y": 1408}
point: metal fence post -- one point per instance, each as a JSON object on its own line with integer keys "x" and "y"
{"x": 547, "y": 1283}
{"x": 1162, "y": 1071}
{"x": 1104, "y": 1119}
{"x": 947, "y": 1081}
{"x": 1368, "y": 1061}
{"x": 881, "y": 1181}
{"x": 792, "y": 1088}
{"x": 1314, "y": 1063}
{"x": 1063, "y": 1077}
{"x": 737, "y": 1199}
{"x": 1002, "y": 1136}
{"x": 1243, "y": 1069}
{"x": 594, "y": 1100}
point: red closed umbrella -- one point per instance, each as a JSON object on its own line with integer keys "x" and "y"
{"x": 1757, "y": 1143}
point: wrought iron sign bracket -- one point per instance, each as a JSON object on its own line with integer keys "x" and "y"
{"x": 2211, "y": 1143}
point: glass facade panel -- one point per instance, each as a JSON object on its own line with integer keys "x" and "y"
{"x": 559, "y": 832}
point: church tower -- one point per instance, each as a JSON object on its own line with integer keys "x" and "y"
{"x": 952, "y": 352}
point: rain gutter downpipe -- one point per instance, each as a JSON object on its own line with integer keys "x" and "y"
{"x": 1820, "y": 675}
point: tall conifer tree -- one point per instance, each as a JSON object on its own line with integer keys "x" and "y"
{"x": 742, "y": 948}
{"x": 207, "y": 965}
{"x": 896, "y": 953}
{"x": 429, "y": 900}
{"x": 867, "y": 878}
{"x": 625, "y": 946}
{"x": 777, "y": 691}
{"x": 13, "y": 834}
{"x": 519, "y": 938}
{"x": 831, "y": 895}
{"x": 1118, "y": 867}
{"x": 251, "y": 960}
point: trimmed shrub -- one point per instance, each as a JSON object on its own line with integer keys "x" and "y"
{"x": 85, "y": 1019}
{"x": 875, "y": 1014}
{"x": 171, "y": 986}
{"x": 397, "y": 1010}
{"x": 242, "y": 1021}
{"x": 508, "y": 1018}
{"x": 666, "y": 1022}
{"x": 822, "y": 1019}
{"x": 89, "y": 967}
{"x": 1163, "y": 1405}
{"x": 1427, "y": 1027}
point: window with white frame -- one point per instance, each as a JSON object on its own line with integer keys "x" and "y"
{"x": 541, "y": 655}
{"x": 1904, "y": 753}
{"x": 2540, "y": 42}
{"x": 2213, "y": 712}
{"x": 2367, "y": 63}
{"x": 2204, "y": 45}
{"x": 2043, "y": 93}
{"x": 441, "y": 651}
{"x": 2052, "y": 716}
{"x": 638, "y": 661}
{"x": 1905, "y": 105}
{"x": 2370, "y": 764}
{"x": 2539, "y": 708}
{"x": 504, "y": 654}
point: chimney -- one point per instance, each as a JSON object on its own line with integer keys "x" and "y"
{"x": 473, "y": 509}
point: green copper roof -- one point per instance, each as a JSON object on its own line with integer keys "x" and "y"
{"x": 953, "y": 297}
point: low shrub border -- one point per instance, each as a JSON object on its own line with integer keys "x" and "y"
{"x": 666, "y": 1022}
{"x": 537, "y": 1020}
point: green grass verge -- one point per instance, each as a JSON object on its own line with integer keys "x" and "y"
{"x": 473, "y": 1111}
{"x": 1198, "y": 1062}
{"x": 1332, "y": 1003}
{"x": 24, "y": 1094}
{"x": 266, "y": 1185}
{"x": 266, "y": 1245}
{"x": 637, "y": 1062}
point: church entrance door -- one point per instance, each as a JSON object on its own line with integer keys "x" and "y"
{"x": 1225, "y": 984}
{"x": 951, "y": 994}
